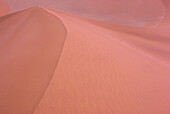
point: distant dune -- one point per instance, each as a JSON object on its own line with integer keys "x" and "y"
{"x": 125, "y": 12}
{"x": 52, "y": 62}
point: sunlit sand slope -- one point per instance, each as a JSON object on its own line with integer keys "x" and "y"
{"x": 109, "y": 69}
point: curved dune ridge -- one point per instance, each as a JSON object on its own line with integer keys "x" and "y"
{"x": 55, "y": 62}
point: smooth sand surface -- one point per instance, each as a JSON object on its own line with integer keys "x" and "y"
{"x": 103, "y": 68}
{"x": 4, "y": 8}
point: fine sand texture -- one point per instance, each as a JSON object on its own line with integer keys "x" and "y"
{"x": 53, "y": 62}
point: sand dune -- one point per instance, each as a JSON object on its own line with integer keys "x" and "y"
{"x": 103, "y": 68}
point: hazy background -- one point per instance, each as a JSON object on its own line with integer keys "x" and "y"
{"x": 128, "y": 12}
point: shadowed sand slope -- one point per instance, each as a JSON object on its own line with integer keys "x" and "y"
{"x": 103, "y": 69}
{"x": 30, "y": 45}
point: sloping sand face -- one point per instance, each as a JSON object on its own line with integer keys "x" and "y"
{"x": 4, "y": 8}
{"x": 30, "y": 45}
{"x": 101, "y": 73}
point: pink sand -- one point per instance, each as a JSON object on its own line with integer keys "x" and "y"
{"x": 53, "y": 62}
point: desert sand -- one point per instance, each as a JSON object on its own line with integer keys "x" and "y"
{"x": 4, "y": 8}
{"x": 53, "y": 62}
